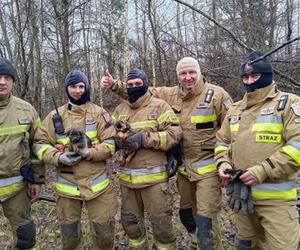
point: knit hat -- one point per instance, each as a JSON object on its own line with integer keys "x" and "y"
{"x": 188, "y": 63}
{"x": 264, "y": 67}
{"x": 76, "y": 76}
{"x": 136, "y": 92}
{"x": 6, "y": 68}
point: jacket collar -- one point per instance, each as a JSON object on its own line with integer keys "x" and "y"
{"x": 5, "y": 102}
{"x": 261, "y": 95}
{"x": 142, "y": 101}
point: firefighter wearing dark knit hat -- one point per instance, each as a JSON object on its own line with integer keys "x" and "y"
{"x": 81, "y": 175}
{"x": 19, "y": 175}
{"x": 144, "y": 179}
{"x": 260, "y": 136}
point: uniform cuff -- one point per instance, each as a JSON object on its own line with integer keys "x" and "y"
{"x": 259, "y": 172}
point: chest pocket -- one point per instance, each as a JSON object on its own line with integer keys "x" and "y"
{"x": 268, "y": 128}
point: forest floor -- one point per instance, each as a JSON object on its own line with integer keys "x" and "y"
{"x": 48, "y": 233}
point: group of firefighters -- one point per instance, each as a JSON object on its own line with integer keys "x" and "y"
{"x": 193, "y": 130}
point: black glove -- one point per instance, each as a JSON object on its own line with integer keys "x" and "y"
{"x": 69, "y": 158}
{"x": 174, "y": 159}
{"x": 132, "y": 143}
{"x": 29, "y": 175}
{"x": 239, "y": 194}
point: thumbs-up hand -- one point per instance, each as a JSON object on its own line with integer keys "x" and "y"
{"x": 107, "y": 81}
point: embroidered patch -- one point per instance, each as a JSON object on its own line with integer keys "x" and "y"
{"x": 296, "y": 108}
{"x": 89, "y": 121}
{"x": 297, "y": 120}
{"x": 124, "y": 117}
{"x": 227, "y": 103}
{"x": 152, "y": 116}
{"x": 267, "y": 111}
{"x": 202, "y": 105}
{"x": 234, "y": 119}
{"x": 23, "y": 120}
{"x": 269, "y": 138}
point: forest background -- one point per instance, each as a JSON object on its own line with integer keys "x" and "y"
{"x": 45, "y": 39}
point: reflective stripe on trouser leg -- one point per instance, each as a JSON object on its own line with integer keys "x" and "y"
{"x": 164, "y": 246}
{"x": 204, "y": 232}
{"x": 138, "y": 244}
{"x": 103, "y": 234}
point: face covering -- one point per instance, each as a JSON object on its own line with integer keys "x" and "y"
{"x": 264, "y": 81}
{"x": 135, "y": 93}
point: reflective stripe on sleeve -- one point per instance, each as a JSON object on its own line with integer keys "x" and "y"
{"x": 163, "y": 139}
{"x": 40, "y": 149}
{"x": 11, "y": 185}
{"x": 110, "y": 144}
{"x": 292, "y": 149}
{"x": 221, "y": 147}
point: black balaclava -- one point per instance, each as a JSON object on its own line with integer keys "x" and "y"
{"x": 75, "y": 76}
{"x": 6, "y": 68}
{"x": 264, "y": 67}
{"x": 136, "y": 92}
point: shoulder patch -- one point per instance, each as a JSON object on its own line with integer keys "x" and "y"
{"x": 202, "y": 105}
{"x": 227, "y": 103}
{"x": 267, "y": 111}
{"x": 296, "y": 108}
{"x": 152, "y": 116}
{"x": 23, "y": 120}
{"x": 234, "y": 119}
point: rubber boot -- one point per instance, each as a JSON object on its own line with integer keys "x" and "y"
{"x": 204, "y": 233}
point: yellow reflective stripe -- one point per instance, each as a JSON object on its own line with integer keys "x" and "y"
{"x": 94, "y": 142}
{"x": 234, "y": 127}
{"x": 37, "y": 123}
{"x": 110, "y": 146}
{"x": 91, "y": 134}
{"x": 42, "y": 150}
{"x": 149, "y": 178}
{"x": 221, "y": 148}
{"x": 135, "y": 243}
{"x": 6, "y": 190}
{"x": 101, "y": 186}
{"x": 169, "y": 115}
{"x": 271, "y": 138}
{"x": 63, "y": 140}
{"x": 292, "y": 152}
{"x": 203, "y": 118}
{"x": 182, "y": 170}
{"x": 207, "y": 169}
{"x": 267, "y": 127}
{"x": 163, "y": 139}
{"x": 275, "y": 195}
{"x": 67, "y": 189}
{"x": 144, "y": 124}
{"x": 13, "y": 130}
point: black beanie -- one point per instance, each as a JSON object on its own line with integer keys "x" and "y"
{"x": 76, "y": 76}
{"x": 6, "y": 68}
{"x": 264, "y": 67}
{"x": 136, "y": 92}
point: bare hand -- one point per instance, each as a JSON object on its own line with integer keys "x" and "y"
{"x": 249, "y": 179}
{"x": 34, "y": 191}
{"x": 107, "y": 81}
{"x": 225, "y": 178}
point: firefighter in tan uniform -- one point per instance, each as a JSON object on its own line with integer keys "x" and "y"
{"x": 81, "y": 177}
{"x": 201, "y": 108}
{"x": 261, "y": 135}
{"x": 18, "y": 121}
{"x": 144, "y": 180}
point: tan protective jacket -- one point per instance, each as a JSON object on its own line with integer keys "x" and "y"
{"x": 18, "y": 121}
{"x": 159, "y": 124}
{"x": 262, "y": 133}
{"x": 201, "y": 113}
{"x": 88, "y": 178}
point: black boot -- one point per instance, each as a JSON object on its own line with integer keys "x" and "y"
{"x": 204, "y": 234}
{"x": 243, "y": 244}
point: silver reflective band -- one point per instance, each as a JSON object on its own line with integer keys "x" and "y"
{"x": 143, "y": 171}
{"x": 10, "y": 181}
